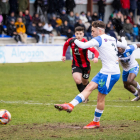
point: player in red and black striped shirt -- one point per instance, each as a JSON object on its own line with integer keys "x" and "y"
{"x": 80, "y": 62}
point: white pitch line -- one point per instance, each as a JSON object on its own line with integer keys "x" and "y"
{"x": 49, "y": 104}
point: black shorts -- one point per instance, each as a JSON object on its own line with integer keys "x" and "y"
{"x": 85, "y": 71}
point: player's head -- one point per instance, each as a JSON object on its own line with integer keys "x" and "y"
{"x": 79, "y": 32}
{"x": 120, "y": 50}
{"x": 98, "y": 28}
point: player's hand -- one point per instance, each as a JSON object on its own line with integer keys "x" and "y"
{"x": 122, "y": 33}
{"x": 63, "y": 58}
{"x": 72, "y": 41}
{"x": 95, "y": 60}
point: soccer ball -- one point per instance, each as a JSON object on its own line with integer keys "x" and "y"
{"x": 5, "y": 116}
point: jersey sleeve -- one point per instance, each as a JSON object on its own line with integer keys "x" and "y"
{"x": 93, "y": 50}
{"x": 85, "y": 45}
{"x": 65, "y": 47}
{"x": 133, "y": 47}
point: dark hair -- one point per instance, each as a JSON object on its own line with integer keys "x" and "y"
{"x": 79, "y": 28}
{"x": 99, "y": 24}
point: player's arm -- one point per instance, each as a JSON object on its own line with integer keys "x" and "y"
{"x": 138, "y": 45}
{"x": 85, "y": 45}
{"x": 122, "y": 44}
{"x": 96, "y": 54}
{"x": 65, "y": 47}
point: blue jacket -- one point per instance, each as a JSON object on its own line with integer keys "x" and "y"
{"x": 31, "y": 29}
{"x": 133, "y": 4}
{"x": 136, "y": 31}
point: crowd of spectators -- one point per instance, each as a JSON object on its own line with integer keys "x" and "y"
{"x": 58, "y": 15}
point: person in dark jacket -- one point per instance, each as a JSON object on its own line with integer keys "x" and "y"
{"x": 12, "y": 16}
{"x": 36, "y": 18}
{"x": 27, "y": 17}
{"x": 21, "y": 16}
{"x": 101, "y": 9}
{"x": 133, "y": 6}
{"x": 40, "y": 32}
{"x": 138, "y": 12}
{"x": 13, "y": 6}
{"x": 31, "y": 30}
{"x": 64, "y": 16}
{"x": 11, "y": 31}
{"x": 89, "y": 17}
{"x": 70, "y": 5}
{"x": 95, "y": 16}
{"x": 116, "y": 4}
{"x": 59, "y": 6}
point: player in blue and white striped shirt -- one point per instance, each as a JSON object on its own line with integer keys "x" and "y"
{"x": 130, "y": 69}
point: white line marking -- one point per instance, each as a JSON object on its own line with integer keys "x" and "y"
{"x": 49, "y": 104}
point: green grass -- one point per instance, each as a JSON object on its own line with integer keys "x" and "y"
{"x": 30, "y": 90}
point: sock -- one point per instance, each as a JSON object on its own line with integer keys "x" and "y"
{"x": 86, "y": 85}
{"x": 78, "y": 99}
{"x": 136, "y": 93}
{"x": 97, "y": 115}
{"x": 138, "y": 86}
{"x": 80, "y": 87}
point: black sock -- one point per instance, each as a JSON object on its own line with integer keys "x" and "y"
{"x": 80, "y": 87}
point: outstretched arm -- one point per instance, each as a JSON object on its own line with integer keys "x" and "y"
{"x": 122, "y": 44}
{"x": 86, "y": 45}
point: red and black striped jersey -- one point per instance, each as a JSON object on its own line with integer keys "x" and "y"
{"x": 80, "y": 56}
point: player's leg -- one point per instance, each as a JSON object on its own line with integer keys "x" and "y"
{"x": 105, "y": 85}
{"x": 77, "y": 76}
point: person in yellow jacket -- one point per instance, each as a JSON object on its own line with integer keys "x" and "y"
{"x": 20, "y": 28}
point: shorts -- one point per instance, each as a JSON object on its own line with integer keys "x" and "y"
{"x": 125, "y": 74}
{"x": 105, "y": 82}
{"x": 85, "y": 71}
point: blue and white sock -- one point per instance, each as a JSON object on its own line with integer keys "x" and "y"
{"x": 136, "y": 93}
{"x": 97, "y": 115}
{"x": 138, "y": 86}
{"x": 78, "y": 99}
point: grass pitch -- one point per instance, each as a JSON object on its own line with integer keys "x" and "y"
{"x": 29, "y": 91}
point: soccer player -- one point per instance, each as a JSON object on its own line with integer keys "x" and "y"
{"x": 80, "y": 63}
{"x": 108, "y": 75}
{"x": 130, "y": 69}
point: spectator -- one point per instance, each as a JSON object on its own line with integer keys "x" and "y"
{"x": 65, "y": 30}
{"x": 77, "y": 17}
{"x": 48, "y": 32}
{"x": 40, "y": 33}
{"x": 11, "y": 31}
{"x": 125, "y": 6}
{"x": 53, "y": 21}
{"x": 138, "y": 12}
{"x": 95, "y": 16}
{"x": 64, "y": 16}
{"x": 120, "y": 16}
{"x": 5, "y": 7}
{"x": 20, "y": 28}
{"x": 136, "y": 30}
{"x": 125, "y": 18}
{"x": 12, "y": 16}
{"x": 37, "y": 4}
{"x": 116, "y": 4}
{"x": 36, "y": 19}
{"x": 59, "y": 6}
{"x": 89, "y": 17}
{"x": 13, "y": 6}
{"x": 109, "y": 30}
{"x": 1, "y": 25}
{"x": 27, "y": 17}
{"x": 22, "y": 5}
{"x": 83, "y": 17}
{"x": 130, "y": 17}
{"x": 31, "y": 30}
{"x": 101, "y": 9}
{"x": 88, "y": 34}
{"x": 71, "y": 20}
{"x": 21, "y": 16}
{"x": 70, "y": 5}
{"x": 133, "y": 6}
{"x": 51, "y": 10}
{"x": 58, "y": 26}
{"x": 128, "y": 28}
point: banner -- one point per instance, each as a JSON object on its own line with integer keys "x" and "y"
{"x": 22, "y": 54}
{"x": 81, "y": 1}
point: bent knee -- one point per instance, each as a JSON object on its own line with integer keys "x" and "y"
{"x": 78, "y": 81}
{"x": 129, "y": 80}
